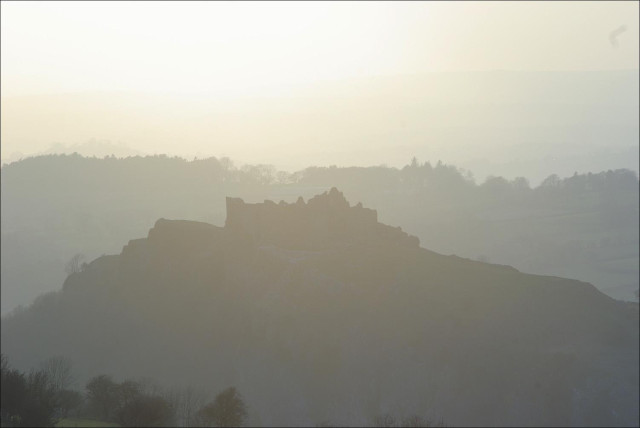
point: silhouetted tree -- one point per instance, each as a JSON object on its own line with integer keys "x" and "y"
{"x": 385, "y": 420}
{"x": 520, "y": 184}
{"x": 40, "y": 406}
{"x": 413, "y": 421}
{"x": 146, "y": 410}
{"x": 227, "y": 410}
{"x": 128, "y": 391}
{"x": 551, "y": 181}
{"x": 58, "y": 370}
{"x": 26, "y": 400}
{"x": 186, "y": 402}
{"x": 496, "y": 185}
{"x": 68, "y": 401}
{"x": 14, "y": 395}
{"x": 102, "y": 394}
{"x": 74, "y": 265}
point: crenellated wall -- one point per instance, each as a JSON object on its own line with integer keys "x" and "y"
{"x": 325, "y": 220}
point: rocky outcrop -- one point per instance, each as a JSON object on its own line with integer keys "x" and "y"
{"x": 326, "y": 220}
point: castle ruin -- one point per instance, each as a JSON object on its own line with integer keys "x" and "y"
{"x": 324, "y": 221}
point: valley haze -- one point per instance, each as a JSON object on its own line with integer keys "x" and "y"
{"x": 501, "y": 123}
{"x": 316, "y": 311}
{"x": 320, "y": 213}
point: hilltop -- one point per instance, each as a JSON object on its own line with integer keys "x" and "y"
{"x": 584, "y": 226}
{"x": 316, "y": 319}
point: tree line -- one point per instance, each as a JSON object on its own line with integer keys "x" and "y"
{"x": 223, "y": 170}
{"x": 44, "y": 397}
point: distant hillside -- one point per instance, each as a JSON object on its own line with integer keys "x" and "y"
{"x": 506, "y": 123}
{"x": 91, "y": 148}
{"x": 583, "y": 226}
{"x": 314, "y": 320}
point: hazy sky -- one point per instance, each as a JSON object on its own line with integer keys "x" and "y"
{"x": 231, "y": 47}
{"x": 164, "y": 77}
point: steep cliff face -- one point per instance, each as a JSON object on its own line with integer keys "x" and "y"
{"x": 341, "y": 325}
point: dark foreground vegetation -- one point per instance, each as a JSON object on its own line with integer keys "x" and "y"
{"x": 45, "y": 397}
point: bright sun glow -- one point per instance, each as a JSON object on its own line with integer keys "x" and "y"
{"x": 287, "y": 82}
{"x": 201, "y": 46}
{"x": 236, "y": 48}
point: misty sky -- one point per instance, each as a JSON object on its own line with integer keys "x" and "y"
{"x": 222, "y": 50}
{"x": 236, "y": 47}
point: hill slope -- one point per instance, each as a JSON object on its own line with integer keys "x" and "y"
{"x": 582, "y": 227}
{"x": 315, "y": 319}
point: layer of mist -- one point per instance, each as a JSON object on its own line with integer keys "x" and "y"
{"x": 503, "y": 123}
{"x": 318, "y": 312}
{"x": 54, "y": 207}
{"x": 371, "y": 214}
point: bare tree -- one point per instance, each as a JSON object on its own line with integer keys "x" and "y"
{"x": 58, "y": 371}
{"x": 415, "y": 421}
{"x": 4, "y": 362}
{"x": 186, "y": 402}
{"x": 102, "y": 395}
{"x": 148, "y": 386}
{"x": 227, "y": 410}
{"x": 128, "y": 391}
{"x": 386, "y": 420}
{"x": 68, "y": 401}
{"x": 146, "y": 411}
{"x": 74, "y": 265}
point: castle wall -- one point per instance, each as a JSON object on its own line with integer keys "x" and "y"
{"x": 324, "y": 220}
